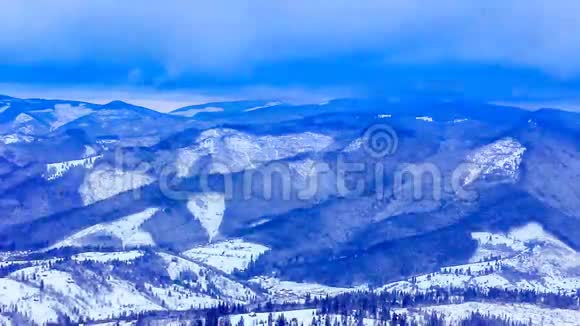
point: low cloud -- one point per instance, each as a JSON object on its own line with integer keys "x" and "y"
{"x": 163, "y": 41}
{"x": 169, "y": 54}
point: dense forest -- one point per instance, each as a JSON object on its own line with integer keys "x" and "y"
{"x": 353, "y": 308}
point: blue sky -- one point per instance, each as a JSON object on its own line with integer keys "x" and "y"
{"x": 310, "y": 50}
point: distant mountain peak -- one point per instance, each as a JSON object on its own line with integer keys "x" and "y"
{"x": 117, "y": 104}
{"x": 6, "y": 97}
{"x": 121, "y": 105}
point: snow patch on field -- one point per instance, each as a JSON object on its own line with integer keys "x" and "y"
{"x": 105, "y": 257}
{"x": 525, "y": 258}
{"x": 501, "y": 158}
{"x": 301, "y": 317}
{"x": 425, "y": 282}
{"x": 35, "y": 262}
{"x": 227, "y": 255}
{"x": 105, "y": 183}
{"x": 516, "y": 312}
{"x": 425, "y": 118}
{"x": 57, "y": 170}
{"x": 208, "y": 209}
{"x": 233, "y": 151}
{"x": 281, "y": 291}
{"x": 127, "y": 230}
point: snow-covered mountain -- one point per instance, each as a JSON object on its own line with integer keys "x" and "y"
{"x": 526, "y": 258}
{"x": 227, "y": 256}
{"x": 499, "y": 159}
{"x": 231, "y": 151}
{"x": 110, "y": 210}
{"x": 102, "y": 285}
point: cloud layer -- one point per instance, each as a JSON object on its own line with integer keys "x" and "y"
{"x": 258, "y": 41}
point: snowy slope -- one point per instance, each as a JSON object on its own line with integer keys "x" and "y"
{"x": 59, "y": 291}
{"x": 60, "y": 114}
{"x": 105, "y": 257}
{"x": 517, "y": 312}
{"x": 5, "y": 321}
{"x": 104, "y": 183}
{"x": 25, "y": 124}
{"x": 525, "y": 258}
{"x": 499, "y": 159}
{"x": 23, "y": 118}
{"x": 4, "y": 107}
{"x": 34, "y": 262}
{"x": 176, "y": 297}
{"x": 282, "y": 291}
{"x": 233, "y": 151}
{"x": 453, "y": 314}
{"x": 208, "y": 209}
{"x": 227, "y": 255}
{"x": 65, "y": 113}
{"x": 79, "y": 288}
{"x": 57, "y": 170}
{"x": 549, "y": 264}
{"x": 15, "y": 138}
{"x": 354, "y": 145}
{"x": 208, "y": 281}
{"x": 30, "y": 301}
{"x": 126, "y": 230}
